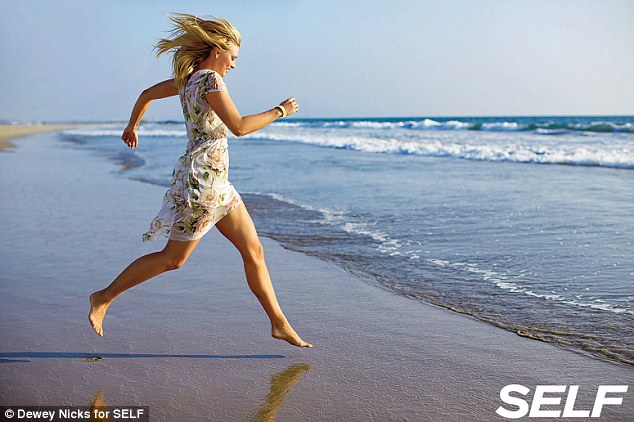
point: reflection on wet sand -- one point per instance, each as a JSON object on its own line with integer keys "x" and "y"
{"x": 97, "y": 403}
{"x": 281, "y": 384}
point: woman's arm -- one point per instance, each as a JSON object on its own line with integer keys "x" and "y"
{"x": 222, "y": 104}
{"x": 161, "y": 90}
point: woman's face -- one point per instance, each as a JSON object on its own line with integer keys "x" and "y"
{"x": 226, "y": 59}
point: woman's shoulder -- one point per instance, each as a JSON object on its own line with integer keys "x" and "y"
{"x": 208, "y": 80}
{"x": 205, "y": 71}
{"x": 204, "y": 75}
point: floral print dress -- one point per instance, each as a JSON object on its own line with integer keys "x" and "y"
{"x": 200, "y": 193}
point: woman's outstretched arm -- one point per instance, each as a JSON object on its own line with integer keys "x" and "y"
{"x": 222, "y": 104}
{"x": 161, "y": 90}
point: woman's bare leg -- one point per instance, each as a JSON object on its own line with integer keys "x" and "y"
{"x": 238, "y": 227}
{"x": 173, "y": 256}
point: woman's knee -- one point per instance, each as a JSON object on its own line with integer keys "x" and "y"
{"x": 254, "y": 252}
{"x": 173, "y": 262}
{"x": 175, "y": 254}
{"x": 174, "y": 265}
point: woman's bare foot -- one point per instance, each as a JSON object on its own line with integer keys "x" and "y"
{"x": 98, "y": 307}
{"x": 286, "y": 332}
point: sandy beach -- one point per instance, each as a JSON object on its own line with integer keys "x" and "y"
{"x": 10, "y": 132}
{"x": 193, "y": 344}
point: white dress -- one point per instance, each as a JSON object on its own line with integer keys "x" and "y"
{"x": 200, "y": 193}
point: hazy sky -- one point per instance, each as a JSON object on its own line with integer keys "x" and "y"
{"x": 80, "y": 60}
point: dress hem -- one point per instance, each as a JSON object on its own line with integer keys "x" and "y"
{"x": 151, "y": 236}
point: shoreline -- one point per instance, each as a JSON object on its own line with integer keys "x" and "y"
{"x": 125, "y": 164}
{"x": 193, "y": 344}
{"x": 9, "y": 133}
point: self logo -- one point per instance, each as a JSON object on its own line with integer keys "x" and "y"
{"x": 534, "y": 409}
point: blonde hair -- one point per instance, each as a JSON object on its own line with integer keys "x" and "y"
{"x": 192, "y": 38}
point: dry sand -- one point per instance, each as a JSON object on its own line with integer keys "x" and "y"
{"x": 9, "y": 132}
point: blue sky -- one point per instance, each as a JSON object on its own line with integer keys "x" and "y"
{"x": 82, "y": 60}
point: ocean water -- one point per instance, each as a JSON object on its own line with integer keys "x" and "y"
{"x": 523, "y": 222}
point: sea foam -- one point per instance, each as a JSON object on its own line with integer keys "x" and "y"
{"x": 598, "y": 154}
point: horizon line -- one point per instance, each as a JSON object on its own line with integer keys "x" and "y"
{"x": 13, "y": 122}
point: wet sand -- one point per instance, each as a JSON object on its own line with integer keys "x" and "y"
{"x": 194, "y": 344}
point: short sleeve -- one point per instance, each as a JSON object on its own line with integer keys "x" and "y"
{"x": 211, "y": 82}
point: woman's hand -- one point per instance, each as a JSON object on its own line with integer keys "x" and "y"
{"x": 129, "y": 137}
{"x": 161, "y": 90}
{"x": 290, "y": 105}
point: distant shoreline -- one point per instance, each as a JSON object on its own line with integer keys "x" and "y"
{"x": 9, "y": 133}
